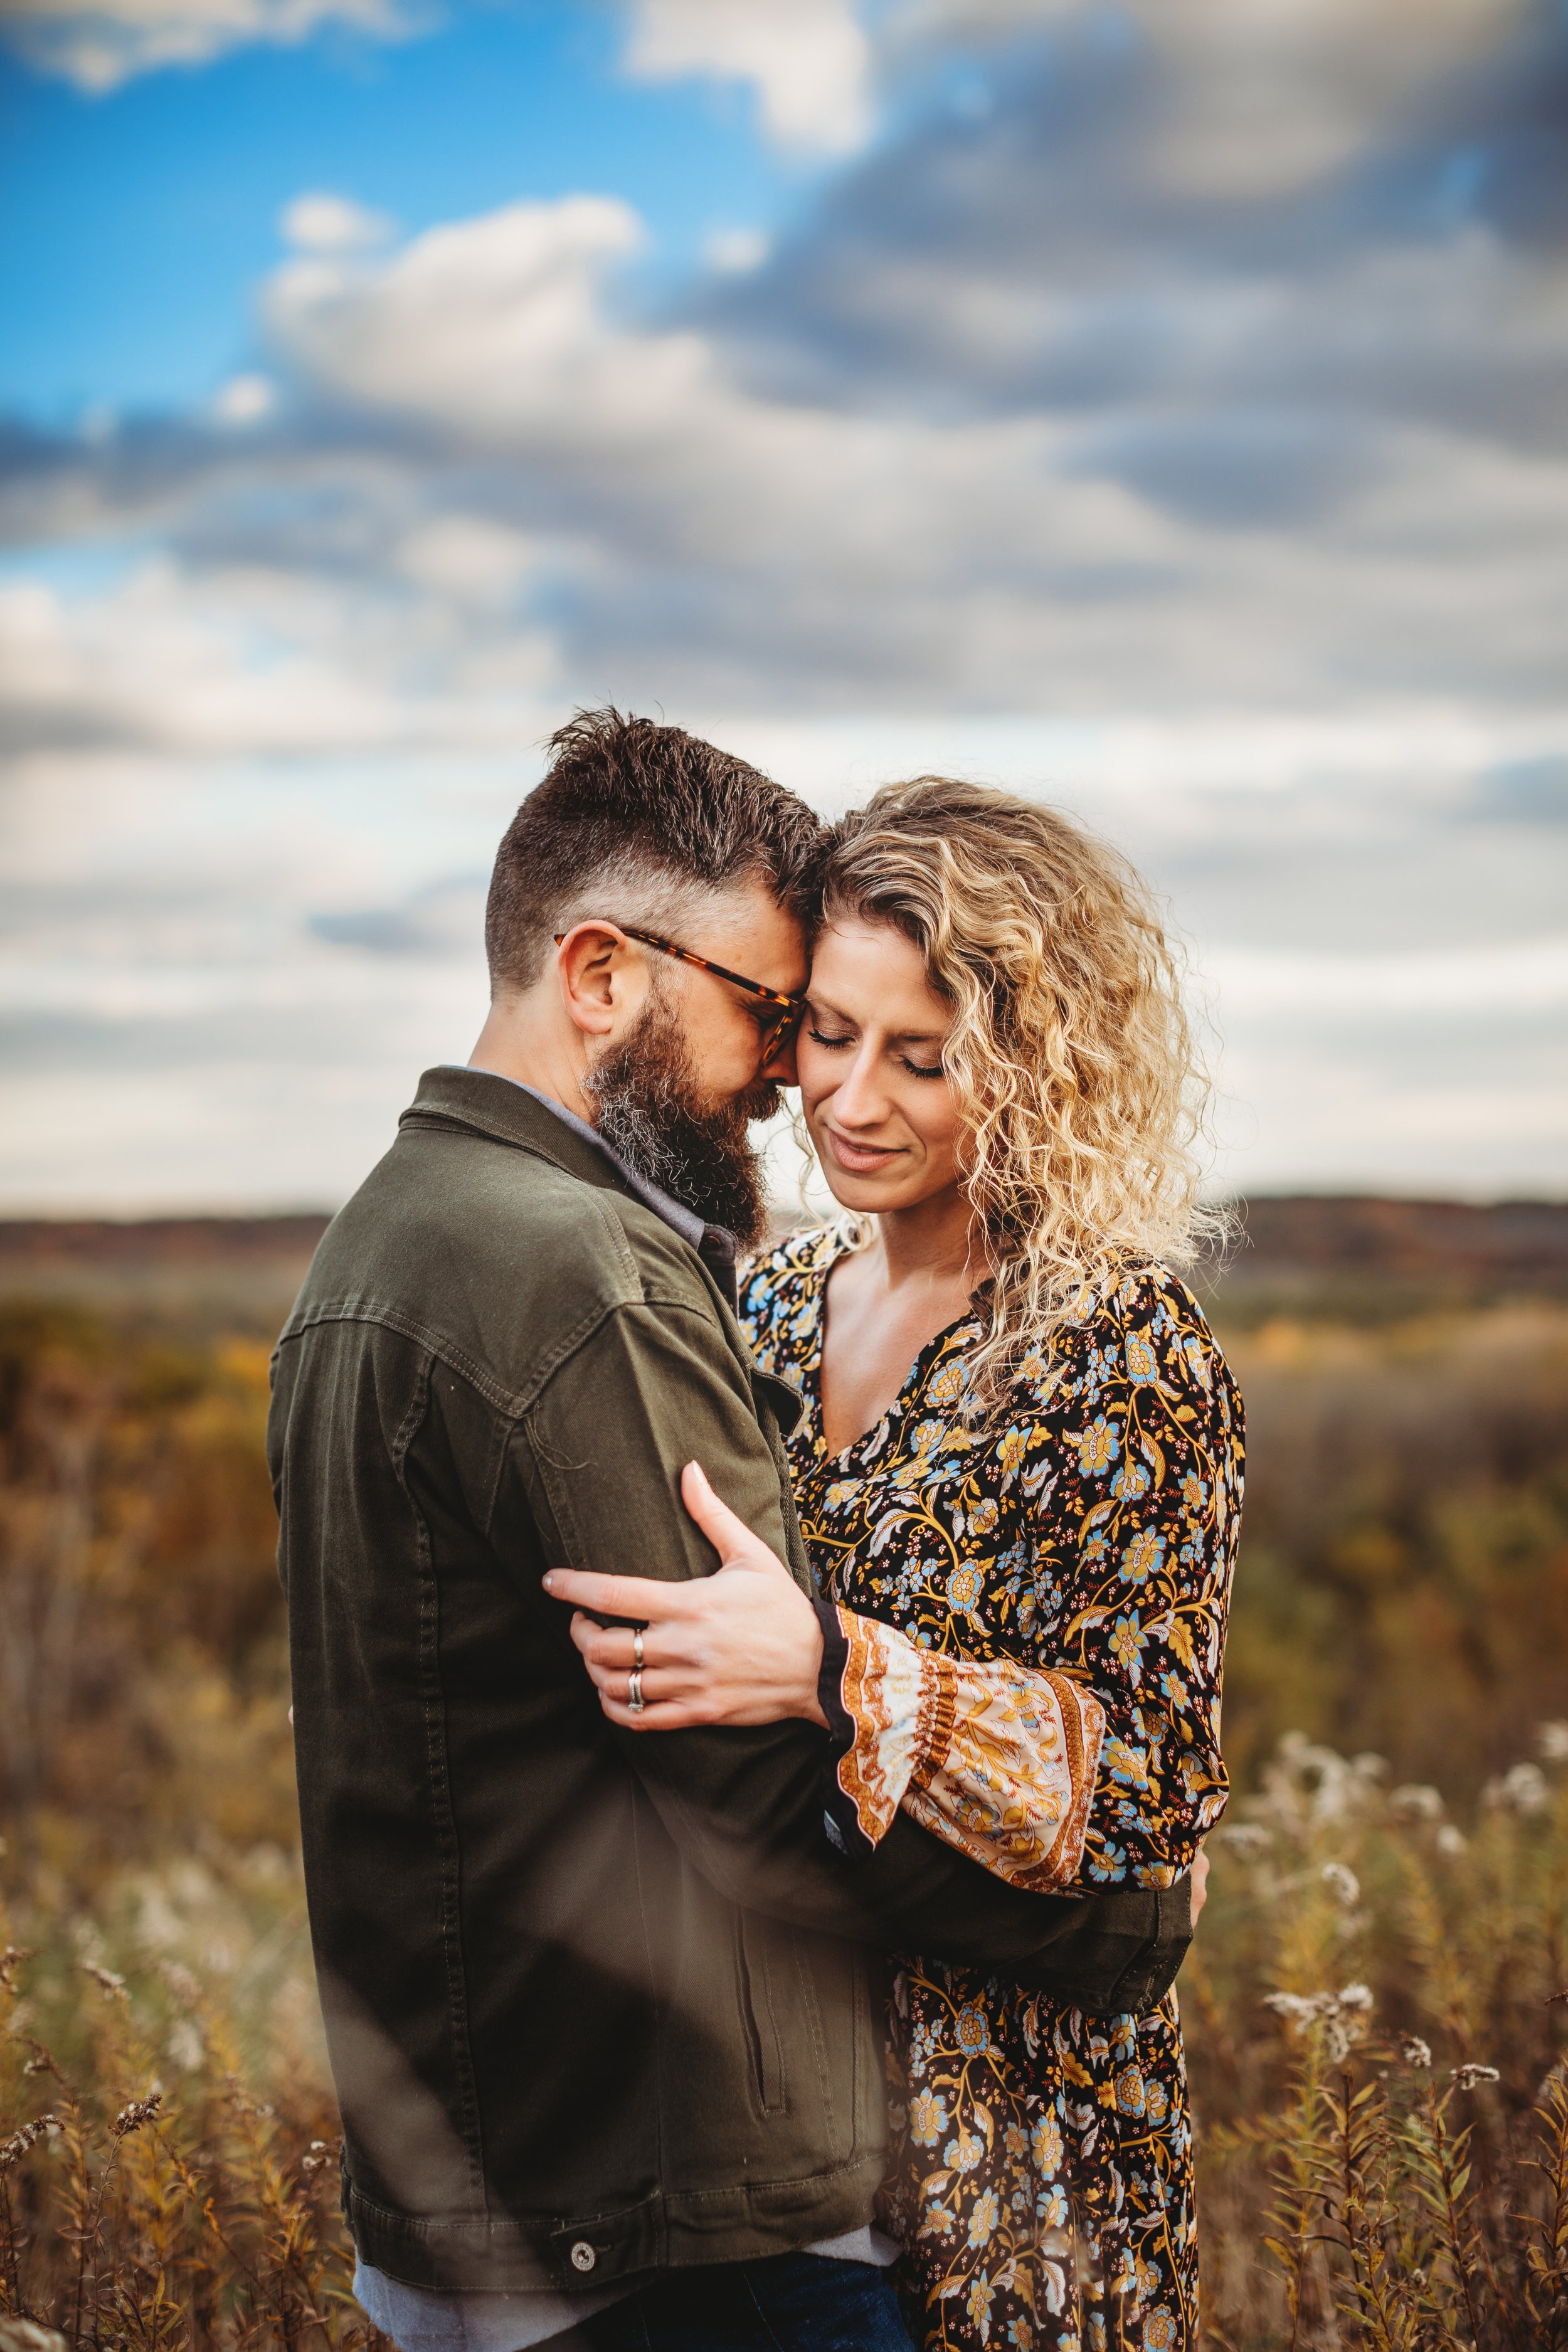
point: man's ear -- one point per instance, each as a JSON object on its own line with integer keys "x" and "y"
{"x": 602, "y": 978}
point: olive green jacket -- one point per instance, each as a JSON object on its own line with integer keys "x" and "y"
{"x": 597, "y": 2003}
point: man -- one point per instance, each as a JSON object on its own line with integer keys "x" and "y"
{"x": 601, "y": 2009}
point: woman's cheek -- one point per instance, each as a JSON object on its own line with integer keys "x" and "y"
{"x": 816, "y": 1076}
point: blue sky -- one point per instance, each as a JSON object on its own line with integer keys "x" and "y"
{"x": 135, "y": 226}
{"x": 1152, "y": 405}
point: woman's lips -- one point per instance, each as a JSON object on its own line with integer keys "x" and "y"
{"x": 859, "y": 1159}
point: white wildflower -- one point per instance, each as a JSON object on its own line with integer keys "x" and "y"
{"x": 1523, "y": 1788}
{"x": 1248, "y": 1839}
{"x": 1343, "y": 1884}
{"x": 1296, "y": 2006}
{"x": 1338, "y": 2014}
{"x": 1414, "y": 2051}
{"x": 1467, "y": 2077}
{"x": 182, "y": 1986}
{"x": 184, "y": 2046}
{"x": 1449, "y": 1840}
{"x": 1417, "y": 1802}
{"x": 1552, "y": 1738}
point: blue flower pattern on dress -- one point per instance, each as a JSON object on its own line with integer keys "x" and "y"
{"x": 1042, "y": 2182}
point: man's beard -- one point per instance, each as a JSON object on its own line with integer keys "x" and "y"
{"x": 645, "y": 1097}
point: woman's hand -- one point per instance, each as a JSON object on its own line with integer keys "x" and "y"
{"x": 740, "y": 1646}
{"x": 1200, "y": 1883}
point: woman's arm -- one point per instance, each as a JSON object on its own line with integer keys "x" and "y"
{"x": 998, "y": 1760}
{"x": 1139, "y": 1548}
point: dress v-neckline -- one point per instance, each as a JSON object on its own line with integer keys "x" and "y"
{"x": 811, "y": 1370}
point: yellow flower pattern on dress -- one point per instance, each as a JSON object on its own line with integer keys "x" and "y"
{"x": 1042, "y": 2182}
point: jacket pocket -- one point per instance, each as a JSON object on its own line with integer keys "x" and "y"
{"x": 757, "y": 2011}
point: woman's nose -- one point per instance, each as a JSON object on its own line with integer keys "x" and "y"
{"x": 859, "y": 1100}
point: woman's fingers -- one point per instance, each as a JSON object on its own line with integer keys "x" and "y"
{"x": 617, "y": 1648}
{"x": 742, "y": 1646}
{"x": 730, "y": 1535}
{"x": 645, "y": 1597}
{"x": 673, "y": 1715}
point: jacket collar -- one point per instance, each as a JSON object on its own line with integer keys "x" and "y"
{"x": 513, "y": 1113}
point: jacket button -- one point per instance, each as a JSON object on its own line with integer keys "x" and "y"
{"x": 582, "y": 2255}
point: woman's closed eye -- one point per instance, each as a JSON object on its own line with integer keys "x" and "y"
{"x": 836, "y": 1042}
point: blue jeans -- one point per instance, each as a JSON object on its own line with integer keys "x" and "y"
{"x": 785, "y": 2303}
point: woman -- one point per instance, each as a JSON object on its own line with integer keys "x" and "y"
{"x": 1018, "y": 1472}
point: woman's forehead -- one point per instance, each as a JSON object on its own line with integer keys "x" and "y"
{"x": 871, "y": 970}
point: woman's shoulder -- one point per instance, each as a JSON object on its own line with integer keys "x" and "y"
{"x": 1142, "y": 1328}
{"x": 1150, "y": 1328}
{"x": 779, "y": 1291}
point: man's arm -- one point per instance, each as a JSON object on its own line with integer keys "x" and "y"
{"x": 654, "y": 1386}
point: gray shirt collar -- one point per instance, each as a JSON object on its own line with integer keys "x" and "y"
{"x": 714, "y": 1244}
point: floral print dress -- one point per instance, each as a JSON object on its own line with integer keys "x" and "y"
{"x": 1035, "y": 1613}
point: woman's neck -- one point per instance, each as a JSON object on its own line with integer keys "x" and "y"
{"x": 929, "y": 1245}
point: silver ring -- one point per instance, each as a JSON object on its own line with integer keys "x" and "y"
{"x": 637, "y": 1648}
{"x": 635, "y": 1699}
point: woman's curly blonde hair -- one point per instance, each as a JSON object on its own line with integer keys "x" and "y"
{"x": 1070, "y": 1051}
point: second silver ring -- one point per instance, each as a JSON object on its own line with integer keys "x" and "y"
{"x": 635, "y": 1700}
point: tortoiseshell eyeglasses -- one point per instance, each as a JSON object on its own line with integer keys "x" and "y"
{"x": 771, "y": 1029}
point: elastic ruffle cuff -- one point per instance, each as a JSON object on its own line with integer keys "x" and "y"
{"x": 997, "y": 1759}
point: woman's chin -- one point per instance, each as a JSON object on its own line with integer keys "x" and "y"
{"x": 850, "y": 1189}
{"x": 867, "y": 1196}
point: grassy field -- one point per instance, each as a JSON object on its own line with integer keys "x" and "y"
{"x": 1377, "y": 2010}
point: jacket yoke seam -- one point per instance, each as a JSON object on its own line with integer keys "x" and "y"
{"x": 514, "y": 1402}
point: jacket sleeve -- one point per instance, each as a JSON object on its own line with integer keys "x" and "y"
{"x": 652, "y": 1387}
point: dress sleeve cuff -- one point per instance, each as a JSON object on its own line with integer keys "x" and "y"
{"x": 895, "y": 1703}
{"x": 994, "y": 1758}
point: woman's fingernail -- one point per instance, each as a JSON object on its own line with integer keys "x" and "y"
{"x": 548, "y": 1584}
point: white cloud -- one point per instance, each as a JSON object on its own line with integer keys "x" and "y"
{"x": 245, "y": 400}
{"x": 957, "y": 446}
{"x": 251, "y": 663}
{"x": 101, "y": 44}
{"x": 737, "y": 250}
{"x": 1010, "y": 556}
{"x": 468, "y": 558}
{"x": 809, "y": 60}
{"x": 1503, "y": 978}
{"x": 319, "y": 222}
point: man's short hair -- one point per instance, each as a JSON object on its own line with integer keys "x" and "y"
{"x": 633, "y": 822}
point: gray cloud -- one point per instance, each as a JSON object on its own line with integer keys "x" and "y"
{"x": 440, "y": 920}
{"x": 1053, "y": 248}
{"x": 1523, "y": 792}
